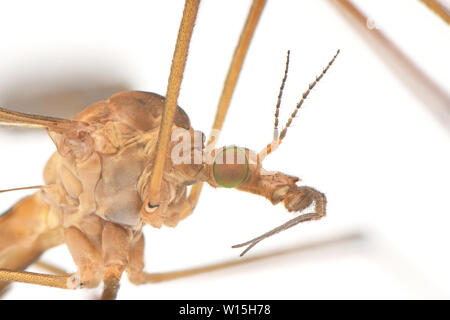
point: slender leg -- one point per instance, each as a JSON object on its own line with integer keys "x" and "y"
{"x": 136, "y": 261}
{"x": 63, "y": 282}
{"x": 230, "y": 82}
{"x": 110, "y": 288}
{"x": 86, "y": 255}
{"x": 173, "y": 90}
{"x": 50, "y": 268}
{"x": 26, "y": 231}
{"x": 135, "y": 270}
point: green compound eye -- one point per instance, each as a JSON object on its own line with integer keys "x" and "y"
{"x": 230, "y": 167}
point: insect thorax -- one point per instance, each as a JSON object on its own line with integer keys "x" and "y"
{"x": 113, "y": 164}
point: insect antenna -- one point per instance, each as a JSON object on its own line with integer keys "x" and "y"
{"x": 304, "y": 96}
{"x": 280, "y": 95}
{"x": 278, "y": 139}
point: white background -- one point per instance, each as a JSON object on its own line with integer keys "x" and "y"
{"x": 362, "y": 138}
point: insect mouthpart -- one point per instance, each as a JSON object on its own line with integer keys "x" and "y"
{"x": 230, "y": 167}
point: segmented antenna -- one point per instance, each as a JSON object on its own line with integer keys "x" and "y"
{"x": 277, "y": 141}
{"x": 280, "y": 95}
{"x": 304, "y": 96}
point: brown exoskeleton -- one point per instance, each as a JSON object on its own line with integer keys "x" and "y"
{"x": 97, "y": 194}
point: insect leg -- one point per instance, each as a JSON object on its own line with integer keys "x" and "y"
{"x": 115, "y": 250}
{"x": 86, "y": 254}
{"x": 135, "y": 269}
{"x": 48, "y": 267}
{"x": 173, "y": 90}
{"x": 136, "y": 261}
{"x": 26, "y": 231}
{"x": 63, "y": 282}
{"x": 230, "y": 82}
{"x": 100, "y": 251}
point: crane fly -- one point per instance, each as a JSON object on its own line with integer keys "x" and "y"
{"x": 126, "y": 162}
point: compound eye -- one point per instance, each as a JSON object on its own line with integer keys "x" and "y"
{"x": 230, "y": 167}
